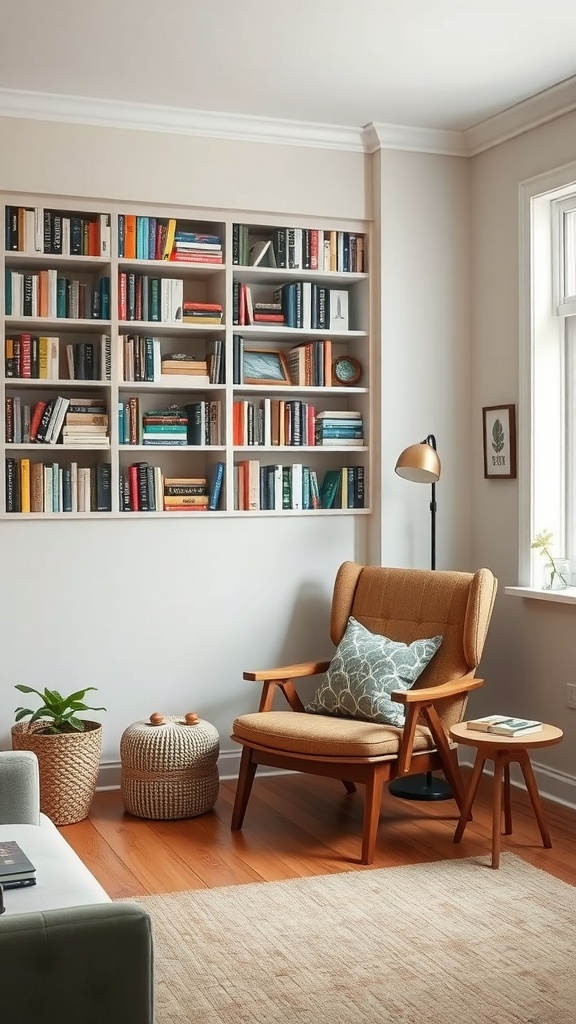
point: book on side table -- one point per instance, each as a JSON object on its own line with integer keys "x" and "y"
{"x": 15, "y": 868}
{"x": 502, "y": 725}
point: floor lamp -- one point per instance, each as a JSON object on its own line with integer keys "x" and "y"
{"x": 421, "y": 464}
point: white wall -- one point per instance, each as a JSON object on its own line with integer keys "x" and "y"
{"x": 425, "y": 371}
{"x": 531, "y": 653}
{"x": 166, "y": 615}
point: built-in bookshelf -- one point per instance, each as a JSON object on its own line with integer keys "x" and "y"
{"x": 172, "y": 360}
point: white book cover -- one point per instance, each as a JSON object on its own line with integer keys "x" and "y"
{"x": 298, "y": 249}
{"x": 38, "y": 229}
{"x": 338, "y": 309}
{"x": 35, "y": 295}
{"x": 53, "y": 358}
{"x": 48, "y": 489}
{"x": 57, "y": 419}
{"x": 17, "y": 293}
{"x": 296, "y": 482}
{"x": 52, "y": 293}
{"x": 157, "y": 358}
{"x": 65, "y": 236}
{"x": 105, "y": 235}
{"x": 74, "y": 485}
{"x": 29, "y": 231}
{"x": 278, "y": 487}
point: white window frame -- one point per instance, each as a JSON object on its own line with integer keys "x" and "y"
{"x": 547, "y": 434}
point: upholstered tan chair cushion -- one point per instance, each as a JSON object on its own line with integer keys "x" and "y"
{"x": 297, "y": 733}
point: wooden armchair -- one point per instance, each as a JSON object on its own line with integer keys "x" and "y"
{"x": 404, "y": 605}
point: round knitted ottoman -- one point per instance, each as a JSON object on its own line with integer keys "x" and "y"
{"x": 169, "y": 767}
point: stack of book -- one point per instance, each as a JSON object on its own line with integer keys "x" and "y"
{"x": 202, "y": 313}
{"x": 268, "y": 313}
{"x": 181, "y": 364}
{"x": 185, "y": 494}
{"x": 165, "y": 428}
{"x": 341, "y": 428}
{"x": 195, "y": 247}
{"x": 502, "y": 725}
{"x": 86, "y": 423}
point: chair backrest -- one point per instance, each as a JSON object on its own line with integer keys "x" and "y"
{"x": 412, "y": 604}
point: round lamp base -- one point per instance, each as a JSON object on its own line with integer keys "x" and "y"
{"x": 421, "y": 787}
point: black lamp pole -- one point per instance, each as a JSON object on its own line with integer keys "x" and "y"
{"x": 424, "y": 786}
{"x": 431, "y": 440}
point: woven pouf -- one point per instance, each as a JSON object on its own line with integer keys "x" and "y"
{"x": 169, "y": 767}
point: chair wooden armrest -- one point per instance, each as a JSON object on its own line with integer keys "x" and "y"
{"x": 281, "y": 678}
{"x": 305, "y": 668}
{"x": 431, "y": 693}
{"x": 422, "y": 702}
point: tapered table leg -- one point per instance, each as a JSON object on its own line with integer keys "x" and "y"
{"x": 497, "y": 808}
{"x": 507, "y": 801}
{"x": 470, "y": 795}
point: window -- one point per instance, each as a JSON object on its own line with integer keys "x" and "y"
{"x": 548, "y": 370}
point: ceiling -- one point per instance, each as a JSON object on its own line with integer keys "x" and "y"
{"x": 430, "y": 63}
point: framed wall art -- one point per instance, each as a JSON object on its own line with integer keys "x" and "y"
{"x": 499, "y": 433}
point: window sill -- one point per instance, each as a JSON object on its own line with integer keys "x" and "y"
{"x": 567, "y": 596}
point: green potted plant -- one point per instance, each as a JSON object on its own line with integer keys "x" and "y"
{"x": 555, "y": 569}
{"x": 68, "y": 750}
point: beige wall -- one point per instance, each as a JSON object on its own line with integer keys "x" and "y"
{"x": 113, "y": 163}
{"x": 531, "y": 653}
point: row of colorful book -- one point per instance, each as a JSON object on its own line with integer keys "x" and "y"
{"x": 194, "y": 423}
{"x": 150, "y": 238}
{"x": 299, "y": 249}
{"x": 277, "y": 487}
{"x": 278, "y": 421}
{"x": 46, "y": 293}
{"x": 80, "y": 421}
{"x": 300, "y": 304}
{"x": 144, "y": 488}
{"x": 38, "y": 230}
{"x": 44, "y": 487}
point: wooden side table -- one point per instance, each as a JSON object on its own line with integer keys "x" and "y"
{"x": 503, "y": 750}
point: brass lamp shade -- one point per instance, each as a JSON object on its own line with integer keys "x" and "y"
{"x": 419, "y": 463}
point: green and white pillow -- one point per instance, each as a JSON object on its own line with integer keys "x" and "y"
{"x": 365, "y": 669}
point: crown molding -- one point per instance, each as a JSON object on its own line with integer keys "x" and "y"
{"x": 522, "y": 117}
{"x": 177, "y": 120}
{"x": 417, "y": 140}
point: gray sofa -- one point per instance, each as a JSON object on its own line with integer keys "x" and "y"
{"x": 68, "y": 954}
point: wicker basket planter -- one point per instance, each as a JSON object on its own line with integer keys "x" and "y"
{"x": 68, "y": 765}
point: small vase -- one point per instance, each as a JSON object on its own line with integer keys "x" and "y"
{"x": 556, "y": 574}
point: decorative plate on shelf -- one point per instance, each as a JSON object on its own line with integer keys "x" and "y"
{"x": 347, "y": 370}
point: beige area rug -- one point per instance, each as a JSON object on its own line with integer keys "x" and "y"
{"x": 452, "y": 942}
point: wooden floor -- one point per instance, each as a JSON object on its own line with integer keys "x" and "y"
{"x": 298, "y": 825}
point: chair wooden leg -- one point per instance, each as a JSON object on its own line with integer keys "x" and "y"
{"x": 243, "y": 788}
{"x": 372, "y": 804}
{"x": 349, "y": 786}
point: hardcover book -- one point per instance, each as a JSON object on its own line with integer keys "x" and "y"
{"x": 15, "y": 868}
{"x": 502, "y": 725}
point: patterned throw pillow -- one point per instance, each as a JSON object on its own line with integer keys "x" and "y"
{"x": 365, "y": 669}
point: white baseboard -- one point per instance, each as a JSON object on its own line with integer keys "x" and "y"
{"x": 556, "y": 786}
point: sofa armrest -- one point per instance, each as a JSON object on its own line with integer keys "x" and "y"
{"x": 19, "y": 788}
{"x": 91, "y": 964}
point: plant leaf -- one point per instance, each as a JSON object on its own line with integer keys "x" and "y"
{"x": 21, "y": 713}
{"x": 497, "y": 436}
